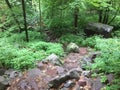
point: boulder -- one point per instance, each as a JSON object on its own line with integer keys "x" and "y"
{"x": 53, "y": 58}
{"x": 72, "y": 47}
{"x": 98, "y": 28}
{"x": 58, "y": 80}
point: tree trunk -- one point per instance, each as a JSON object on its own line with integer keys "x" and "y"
{"x": 100, "y": 15}
{"x": 25, "y": 23}
{"x": 40, "y": 15}
{"x": 76, "y": 11}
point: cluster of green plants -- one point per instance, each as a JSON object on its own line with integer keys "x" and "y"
{"x": 90, "y": 41}
{"x": 68, "y": 38}
{"x": 109, "y": 60}
{"x": 116, "y": 33}
{"x": 79, "y": 40}
{"x": 46, "y": 47}
{"x": 23, "y": 55}
{"x": 33, "y": 35}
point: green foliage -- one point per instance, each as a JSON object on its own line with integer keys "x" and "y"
{"x": 20, "y": 37}
{"x": 48, "y": 48}
{"x": 109, "y": 60}
{"x": 91, "y": 41}
{"x": 116, "y": 33}
{"x": 17, "y": 56}
{"x": 103, "y": 79}
{"x": 68, "y": 38}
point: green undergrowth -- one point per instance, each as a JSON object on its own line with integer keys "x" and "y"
{"x": 79, "y": 40}
{"x": 68, "y": 38}
{"x": 91, "y": 41}
{"x": 116, "y": 34}
{"x": 22, "y": 55}
{"x": 109, "y": 60}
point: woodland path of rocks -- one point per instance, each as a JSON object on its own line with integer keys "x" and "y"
{"x": 49, "y": 76}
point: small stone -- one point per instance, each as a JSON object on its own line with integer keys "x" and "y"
{"x": 97, "y": 85}
{"x": 14, "y": 74}
{"x": 40, "y": 65}
{"x": 69, "y": 84}
{"x": 74, "y": 75}
{"x": 93, "y": 55}
{"x": 64, "y": 88}
{"x": 7, "y": 72}
{"x": 2, "y": 71}
{"x": 3, "y": 83}
{"x": 60, "y": 70}
{"x": 81, "y": 88}
{"x": 2, "y": 78}
{"x": 82, "y": 82}
{"x": 110, "y": 78}
{"x": 86, "y": 73}
{"x": 34, "y": 72}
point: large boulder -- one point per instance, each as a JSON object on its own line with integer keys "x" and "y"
{"x": 98, "y": 28}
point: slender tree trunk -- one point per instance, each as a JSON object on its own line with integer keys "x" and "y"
{"x": 61, "y": 14}
{"x": 15, "y": 18}
{"x": 106, "y": 16}
{"x": 40, "y": 14}
{"x": 76, "y": 17}
{"x": 100, "y": 16}
{"x": 25, "y": 23}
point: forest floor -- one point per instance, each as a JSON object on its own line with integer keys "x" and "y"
{"x": 69, "y": 76}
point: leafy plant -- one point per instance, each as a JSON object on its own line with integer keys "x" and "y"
{"x": 17, "y": 56}
{"x": 116, "y": 33}
{"x": 91, "y": 41}
{"x": 47, "y": 47}
{"x": 103, "y": 79}
{"x": 109, "y": 60}
{"x": 67, "y": 38}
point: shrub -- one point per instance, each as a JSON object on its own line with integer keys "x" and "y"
{"x": 91, "y": 41}
{"x": 47, "y": 47}
{"x": 109, "y": 60}
{"x": 17, "y": 57}
{"x": 33, "y": 35}
{"x": 116, "y": 33}
{"x": 68, "y": 38}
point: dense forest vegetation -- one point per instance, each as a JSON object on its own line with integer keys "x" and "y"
{"x": 31, "y": 30}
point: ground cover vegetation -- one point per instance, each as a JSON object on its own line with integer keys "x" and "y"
{"x": 31, "y": 30}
